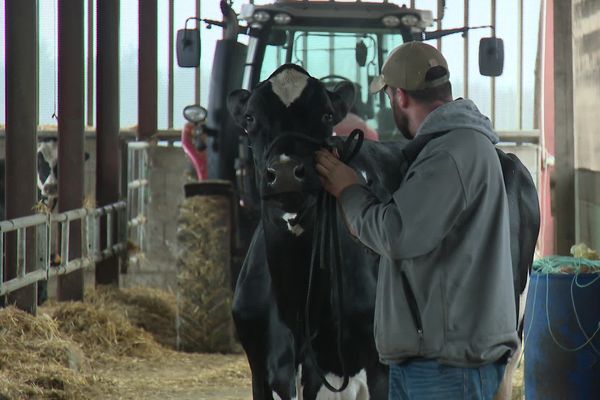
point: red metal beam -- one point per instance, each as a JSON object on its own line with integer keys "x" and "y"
{"x": 21, "y": 126}
{"x": 107, "y": 128}
{"x": 148, "y": 69}
{"x": 71, "y": 131}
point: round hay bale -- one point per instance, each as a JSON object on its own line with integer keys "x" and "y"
{"x": 203, "y": 274}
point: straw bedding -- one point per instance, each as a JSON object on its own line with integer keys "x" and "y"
{"x": 53, "y": 355}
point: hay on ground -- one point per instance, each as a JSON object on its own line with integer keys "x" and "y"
{"x": 37, "y": 361}
{"x": 151, "y": 309}
{"x": 102, "y": 331}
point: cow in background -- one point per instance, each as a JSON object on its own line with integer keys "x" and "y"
{"x": 47, "y": 184}
{"x": 47, "y": 174}
{"x": 47, "y": 171}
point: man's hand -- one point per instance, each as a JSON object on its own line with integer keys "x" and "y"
{"x": 335, "y": 176}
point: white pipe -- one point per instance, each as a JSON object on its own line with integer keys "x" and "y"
{"x": 22, "y": 222}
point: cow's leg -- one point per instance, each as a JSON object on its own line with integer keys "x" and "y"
{"x": 267, "y": 341}
{"x": 269, "y": 346}
{"x": 281, "y": 359}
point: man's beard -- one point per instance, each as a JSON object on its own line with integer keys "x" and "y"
{"x": 401, "y": 121}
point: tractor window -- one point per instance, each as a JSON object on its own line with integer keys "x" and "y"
{"x": 337, "y": 56}
{"x": 274, "y": 57}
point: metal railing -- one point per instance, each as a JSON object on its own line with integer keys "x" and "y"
{"x": 91, "y": 251}
{"x": 137, "y": 185}
{"x": 46, "y": 224}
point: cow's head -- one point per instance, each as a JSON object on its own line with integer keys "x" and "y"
{"x": 47, "y": 169}
{"x": 287, "y": 118}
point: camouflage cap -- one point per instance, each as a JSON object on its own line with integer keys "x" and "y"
{"x": 407, "y": 65}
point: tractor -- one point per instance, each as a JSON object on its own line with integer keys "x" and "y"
{"x": 334, "y": 41}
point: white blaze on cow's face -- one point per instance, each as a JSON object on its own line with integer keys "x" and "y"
{"x": 288, "y": 85}
{"x": 47, "y": 158}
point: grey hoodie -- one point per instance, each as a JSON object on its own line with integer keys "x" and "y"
{"x": 445, "y": 286}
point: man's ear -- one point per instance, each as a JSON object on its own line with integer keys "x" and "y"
{"x": 403, "y": 98}
{"x": 342, "y": 99}
{"x": 236, "y": 104}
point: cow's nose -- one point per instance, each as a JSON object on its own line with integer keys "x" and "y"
{"x": 271, "y": 175}
{"x": 50, "y": 189}
{"x": 299, "y": 172}
{"x": 286, "y": 172}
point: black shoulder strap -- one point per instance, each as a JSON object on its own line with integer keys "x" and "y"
{"x": 414, "y": 147}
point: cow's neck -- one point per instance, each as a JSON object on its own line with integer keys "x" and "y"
{"x": 288, "y": 257}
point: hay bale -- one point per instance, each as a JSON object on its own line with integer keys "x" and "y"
{"x": 103, "y": 332}
{"x": 203, "y": 275}
{"x": 153, "y": 310}
{"x": 37, "y": 361}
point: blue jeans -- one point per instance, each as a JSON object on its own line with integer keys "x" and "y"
{"x": 429, "y": 380}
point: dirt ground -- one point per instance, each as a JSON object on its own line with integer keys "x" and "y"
{"x": 178, "y": 376}
{"x": 97, "y": 350}
{"x": 193, "y": 377}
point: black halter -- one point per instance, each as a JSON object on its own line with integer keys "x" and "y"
{"x": 327, "y": 238}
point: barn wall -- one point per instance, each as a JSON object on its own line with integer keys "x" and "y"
{"x": 586, "y": 101}
{"x": 167, "y": 174}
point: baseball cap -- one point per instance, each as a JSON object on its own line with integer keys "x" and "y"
{"x": 407, "y": 65}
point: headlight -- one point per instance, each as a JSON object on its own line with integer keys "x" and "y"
{"x": 390, "y": 21}
{"x": 194, "y": 113}
{"x": 410, "y": 20}
{"x": 261, "y": 16}
{"x": 282, "y": 18}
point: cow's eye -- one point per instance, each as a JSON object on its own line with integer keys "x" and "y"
{"x": 249, "y": 118}
{"x": 328, "y": 118}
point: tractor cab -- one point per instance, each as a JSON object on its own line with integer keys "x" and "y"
{"x": 334, "y": 42}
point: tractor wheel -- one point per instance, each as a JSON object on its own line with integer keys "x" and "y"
{"x": 204, "y": 238}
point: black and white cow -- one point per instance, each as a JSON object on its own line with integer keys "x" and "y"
{"x": 287, "y": 118}
{"x": 47, "y": 173}
{"x": 47, "y": 170}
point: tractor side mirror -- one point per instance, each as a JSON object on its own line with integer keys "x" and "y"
{"x": 491, "y": 56}
{"x": 277, "y": 38}
{"x": 188, "y": 48}
{"x": 360, "y": 53}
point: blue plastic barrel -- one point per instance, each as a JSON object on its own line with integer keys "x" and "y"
{"x": 562, "y": 315}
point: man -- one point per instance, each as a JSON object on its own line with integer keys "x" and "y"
{"x": 444, "y": 312}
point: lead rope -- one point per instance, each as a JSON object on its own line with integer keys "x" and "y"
{"x": 329, "y": 235}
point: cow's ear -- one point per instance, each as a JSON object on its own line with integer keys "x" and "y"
{"x": 236, "y": 104}
{"x": 342, "y": 99}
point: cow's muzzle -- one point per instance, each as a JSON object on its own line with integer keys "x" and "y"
{"x": 286, "y": 184}
{"x": 285, "y": 175}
